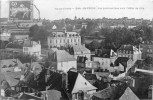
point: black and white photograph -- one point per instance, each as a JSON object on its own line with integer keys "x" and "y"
{"x": 76, "y": 49}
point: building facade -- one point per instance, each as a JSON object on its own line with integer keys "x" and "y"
{"x": 63, "y": 61}
{"x": 147, "y": 50}
{"x": 63, "y": 39}
{"x": 32, "y": 48}
{"x": 81, "y": 51}
{"x": 105, "y": 57}
{"x": 129, "y": 51}
{"x": 5, "y": 36}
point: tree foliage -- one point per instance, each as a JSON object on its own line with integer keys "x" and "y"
{"x": 38, "y": 33}
{"x": 24, "y": 58}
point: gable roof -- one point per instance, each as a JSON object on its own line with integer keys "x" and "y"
{"x": 82, "y": 84}
{"x": 128, "y": 95}
{"x": 63, "y": 56}
{"x": 80, "y": 48}
{"x": 72, "y": 76}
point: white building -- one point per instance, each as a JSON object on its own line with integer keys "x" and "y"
{"x": 81, "y": 51}
{"x": 5, "y": 36}
{"x": 58, "y": 39}
{"x": 82, "y": 85}
{"x": 32, "y": 48}
{"x": 129, "y": 51}
{"x": 63, "y": 61}
{"x": 105, "y": 58}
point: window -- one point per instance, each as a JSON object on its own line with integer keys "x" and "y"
{"x": 56, "y": 41}
{"x": 25, "y": 49}
{"x": 76, "y": 96}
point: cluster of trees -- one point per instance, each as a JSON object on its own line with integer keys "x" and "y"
{"x": 3, "y": 44}
{"x": 114, "y": 38}
{"x": 25, "y": 58}
{"x": 38, "y": 33}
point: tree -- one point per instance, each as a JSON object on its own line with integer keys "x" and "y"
{"x": 149, "y": 60}
{"x": 33, "y": 30}
{"x": 38, "y": 33}
{"x": 24, "y": 58}
{"x": 94, "y": 45}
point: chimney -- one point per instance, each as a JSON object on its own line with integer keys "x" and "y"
{"x": 92, "y": 70}
{"x": 83, "y": 45}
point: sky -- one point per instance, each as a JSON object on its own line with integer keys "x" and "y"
{"x": 58, "y": 9}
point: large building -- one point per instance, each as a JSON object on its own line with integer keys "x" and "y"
{"x": 63, "y": 39}
{"x": 105, "y": 57}
{"x": 129, "y": 51}
{"x": 147, "y": 50}
{"x": 63, "y": 61}
{"x": 81, "y": 51}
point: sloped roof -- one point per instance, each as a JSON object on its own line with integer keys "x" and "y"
{"x": 55, "y": 81}
{"x": 72, "y": 33}
{"x": 82, "y": 84}
{"x": 8, "y": 62}
{"x": 72, "y": 76}
{"x": 29, "y": 43}
{"x": 105, "y": 93}
{"x": 90, "y": 76}
{"x": 26, "y": 96}
{"x": 54, "y": 95}
{"x": 77, "y": 26}
{"x": 3, "y": 19}
{"x": 121, "y": 60}
{"x": 104, "y": 53}
{"x": 12, "y": 78}
{"x": 128, "y": 95}
{"x": 15, "y": 34}
{"x": 80, "y": 48}
{"x": 2, "y": 77}
{"x": 63, "y": 56}
{"x": 127, "y": 47}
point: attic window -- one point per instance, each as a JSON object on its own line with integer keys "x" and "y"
{"x": 85, "y": 83}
